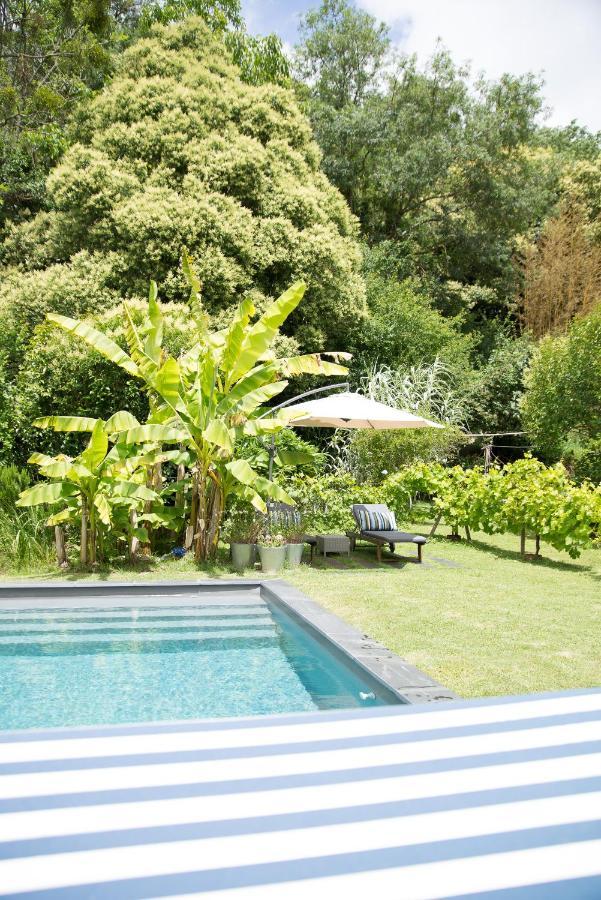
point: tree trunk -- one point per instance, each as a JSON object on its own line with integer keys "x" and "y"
{"x": 191, "y": 527}
{"x": 93, "y": 536}
{"x": 210, "y": 514}
{"x": 61, "y": 552}
{"x": 436, "y": 524}
{"x": 523, "y": 542}
{"x": 200, "y": 526}
{"x": 83, "y": 541}
{"x": 134, "y": 541}
{"x": 538, "y": 545}
{"x": 154, "y": 480}
{"x": 180, "y": 497}
{"x": 215, "y": 520}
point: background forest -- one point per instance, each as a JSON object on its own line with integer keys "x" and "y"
{"x": 449, "y": 239}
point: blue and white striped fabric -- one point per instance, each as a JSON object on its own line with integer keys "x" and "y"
{"x": 372, "y": 519}
{"x": 497, "y": 798}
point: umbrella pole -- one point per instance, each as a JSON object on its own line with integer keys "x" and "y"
{"x": 271, "y": 457}
{"x": 272, "y": 409}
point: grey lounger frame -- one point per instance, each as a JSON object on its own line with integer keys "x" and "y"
{"x": 383, "y": 538}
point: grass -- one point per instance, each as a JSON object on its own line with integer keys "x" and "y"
{"x": 476, "y": 616}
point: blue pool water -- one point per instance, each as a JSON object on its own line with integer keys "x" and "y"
{"x": 231, "y": 656}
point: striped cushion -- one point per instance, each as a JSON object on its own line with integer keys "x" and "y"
{"x": 372, "y": 520}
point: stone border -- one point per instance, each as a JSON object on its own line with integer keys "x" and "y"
{"x": 400, "y": 678}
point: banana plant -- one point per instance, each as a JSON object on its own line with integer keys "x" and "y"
{"x": 91, "y": 486}
{"x": 211, "y": 396}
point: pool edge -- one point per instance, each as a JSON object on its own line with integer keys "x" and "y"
{"x": 403, "y": 680}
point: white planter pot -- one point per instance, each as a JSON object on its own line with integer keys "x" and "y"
{"x": 272, "y": 559}
{"x": 243, "y": 556}
{"x": 294, "y": 554}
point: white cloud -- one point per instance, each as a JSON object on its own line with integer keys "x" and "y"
{"x": 556, "y": 38}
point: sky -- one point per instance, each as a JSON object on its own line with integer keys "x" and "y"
{"x": 558, "y": 39}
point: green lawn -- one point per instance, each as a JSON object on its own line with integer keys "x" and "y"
{"x": 492, "y": 624}
{"x": 476, "y": 616}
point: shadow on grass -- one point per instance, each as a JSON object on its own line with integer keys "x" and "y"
{"x": 515, "y": 556}
{"x": 164, "y": 567}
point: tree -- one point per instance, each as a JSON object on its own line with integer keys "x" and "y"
{"x": 51, "y": 53}
{"x": 562, "y": 274}
{"x": 493, "y": 398}
{"x": 562, "y": 403}
{"x": 211, "y": 397}
{"x": 428, "y": 159}
{"x": 178, "y": 150}
{"x": 341, "y": 53}
{"x": 404, "y": 330}
{"x": 90, "y": 486}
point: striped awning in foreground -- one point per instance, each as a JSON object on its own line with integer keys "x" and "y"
{"x": 498, "y": 798}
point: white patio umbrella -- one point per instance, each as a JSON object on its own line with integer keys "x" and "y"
{"x": 350, "y": 410}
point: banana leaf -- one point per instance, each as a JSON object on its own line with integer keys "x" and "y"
{"x": 48, "y": 492}
{"x": 96, "y": 340}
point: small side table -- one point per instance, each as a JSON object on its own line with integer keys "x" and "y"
{"x": 333, "y": 543}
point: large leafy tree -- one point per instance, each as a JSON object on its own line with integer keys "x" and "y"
{"x": 51, "y": 53}
{"x": 341, "y": 53}
{"x": 178, "y": 149}
{"x": 93, "y": 486}
{"x": 427, "y": 158}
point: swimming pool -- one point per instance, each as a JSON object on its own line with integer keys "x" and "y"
{"x": 111, "y": 659}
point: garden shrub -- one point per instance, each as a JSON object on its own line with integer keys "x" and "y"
{"x": 585, "y": 461}
{"x": 404, "y": 329}
{"x": 24, "y": 537}
{"x": 563, "y": 389}
{"x": 524, "y": 497}
{"x": 176, "y": 151}
{"x": 371, "y": 455}
{"x": 325, "y": 502}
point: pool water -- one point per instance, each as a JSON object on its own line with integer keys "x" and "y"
{"x": 229, "y": 656}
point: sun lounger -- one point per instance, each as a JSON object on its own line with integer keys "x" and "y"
{"x": 376, "y": 524}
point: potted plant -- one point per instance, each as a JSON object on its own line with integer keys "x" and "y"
{"x": 272, "y": 552}
{"x": 243, "y": 529}
{"x": 295, "y": 544}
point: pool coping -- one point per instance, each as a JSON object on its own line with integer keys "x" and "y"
{"x": 405, "y": 681}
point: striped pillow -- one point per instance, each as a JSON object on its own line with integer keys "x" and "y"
{"x": 372, "y": 520}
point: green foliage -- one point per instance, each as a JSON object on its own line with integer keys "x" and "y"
{"x": 404, "y": 329}
{"x": 562, "y": 403}
{"x": 24, "y": 539}
{"x": 207, "y": 400}
{"x": 525, "y": 497}
{"x": 341, "y": 52}
{"x": 325, "y": 502}
{"x": 371, "y": 455}
{"x": 493, "y": 398}
{"x": 430, "y": 391}
{"x": 429, "y": 159}
{"x": 219, "y": 15}
{"x": 91, "y": 487}
{"x": 51, "y": 53}
{"x": 178, "y": 150}
{"x": 291, "y": 453}
{"x": 585, "y": 460}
